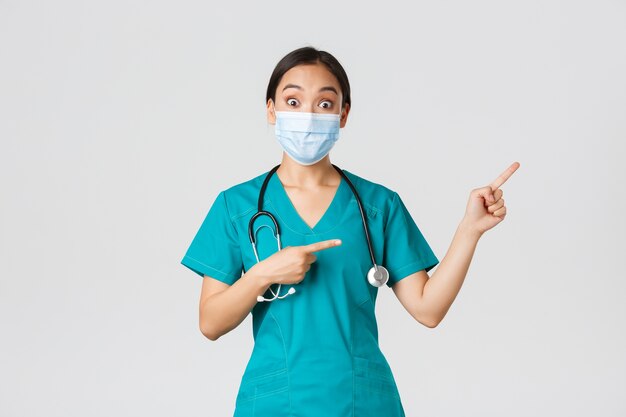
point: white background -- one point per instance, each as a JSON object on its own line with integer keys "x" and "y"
{"x": 120, "y": 121}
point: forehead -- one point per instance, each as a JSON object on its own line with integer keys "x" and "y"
{"x": 309, "y": 76}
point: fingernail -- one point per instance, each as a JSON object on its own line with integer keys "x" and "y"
{"x": 338, "y": 242}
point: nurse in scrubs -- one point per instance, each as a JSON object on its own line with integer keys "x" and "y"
{"x": 316, "y": 350}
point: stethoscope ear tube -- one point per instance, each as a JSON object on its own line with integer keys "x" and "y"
{"x": 251, "y": 235}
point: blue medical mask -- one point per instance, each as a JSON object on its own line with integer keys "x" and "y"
{"x": 306, "y": 137}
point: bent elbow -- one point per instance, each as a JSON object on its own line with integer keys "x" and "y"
{"x": 430, "y": 325}
{"x": 209, "y": 333}
{"x": 212, "y": 336}
{"x": 429, "y": 322}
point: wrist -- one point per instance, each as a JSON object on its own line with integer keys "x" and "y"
{"x": 262, "y": 280}
{"x": 465, "y": 227}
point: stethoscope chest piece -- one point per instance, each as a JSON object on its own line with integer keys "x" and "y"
{"x": 378, "y": 275}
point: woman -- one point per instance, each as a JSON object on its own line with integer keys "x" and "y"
{"x": 316, "y": 349}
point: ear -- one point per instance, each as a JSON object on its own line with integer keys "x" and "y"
{"x": 271, "y": 117}
{"x": 344, "y": 115}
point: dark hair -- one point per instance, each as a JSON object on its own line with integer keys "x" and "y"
{"x": 309, "y": 55}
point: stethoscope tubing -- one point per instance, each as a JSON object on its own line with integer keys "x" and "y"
{"x": 374, "y": 273}
{"x": 358, "y": 200}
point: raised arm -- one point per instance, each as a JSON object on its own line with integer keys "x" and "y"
{"x": 429, "y": 299}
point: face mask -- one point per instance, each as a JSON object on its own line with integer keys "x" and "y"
{"x": 306, "y": 137}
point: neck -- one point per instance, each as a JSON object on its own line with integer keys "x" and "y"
{"x": 321, "y": 173}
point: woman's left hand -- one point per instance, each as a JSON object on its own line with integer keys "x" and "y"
{"x": 485, "y": 207}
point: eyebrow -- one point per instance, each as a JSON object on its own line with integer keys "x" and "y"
{"x": 326, "y": 88}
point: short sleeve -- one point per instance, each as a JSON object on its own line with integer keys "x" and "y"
{"x": 215, "y": 250}
{"x": 406, "y": 250}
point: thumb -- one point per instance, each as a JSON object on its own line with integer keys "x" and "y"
{"x": 487, "y": 193}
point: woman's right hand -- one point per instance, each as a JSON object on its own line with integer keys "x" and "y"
{"x": 290, "y": 264}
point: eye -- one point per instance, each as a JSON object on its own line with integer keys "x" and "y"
{"x": 290, "y": 100}
{"x": 330, "y": 103}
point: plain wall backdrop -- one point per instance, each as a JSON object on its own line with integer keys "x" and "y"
{"x": 120, "y": 121}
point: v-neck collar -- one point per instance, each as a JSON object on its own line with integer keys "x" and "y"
{"x": 286, "y": 211}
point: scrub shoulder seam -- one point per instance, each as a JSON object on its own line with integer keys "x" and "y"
{"x": 222, "y": 274}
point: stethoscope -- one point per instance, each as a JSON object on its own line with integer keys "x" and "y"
{"x": 376, "y": 276}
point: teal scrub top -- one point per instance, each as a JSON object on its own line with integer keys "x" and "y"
{"x": 316, "y": 351}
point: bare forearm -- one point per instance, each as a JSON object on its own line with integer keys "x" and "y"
{"x": 443, "y": 286}
{"x": 222, "y": 312}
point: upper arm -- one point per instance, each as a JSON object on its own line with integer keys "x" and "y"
{"x": 215, "y": 251}
{"x": 406, "y": 251}
{"x": 410, "y": 291}
{"x": 211, "y": 286}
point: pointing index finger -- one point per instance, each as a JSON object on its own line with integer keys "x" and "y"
{"x": 504, "y": 176}
{"x": 325, "y": 244}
